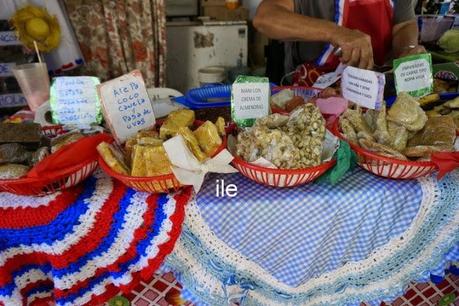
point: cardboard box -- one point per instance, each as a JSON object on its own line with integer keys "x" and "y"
{"x": 221, "y": 13}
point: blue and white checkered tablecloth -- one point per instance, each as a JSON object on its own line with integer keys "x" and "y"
{"x": 298, "y": 233}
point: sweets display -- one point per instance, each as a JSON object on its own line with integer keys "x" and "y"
{"x": 22, "y": 146}
{"x": 289, "y": 142}
{"x": 403, "y": 132}
{"x": 144, "y": 155}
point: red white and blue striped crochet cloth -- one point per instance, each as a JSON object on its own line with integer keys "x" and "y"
{"x": 83, "y": 245}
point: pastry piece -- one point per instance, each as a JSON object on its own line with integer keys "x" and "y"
{"x": 28, "y": 134}
{"x": 147, "y": 133}
{"x": 151, "y": 141}
{"x": 156, "y": 161}
{"x": 208, "y": 138}
{"x": 428, "y": 100}
{"x": 129, "y": 148}
{"x": 452, "y": 103}
{"x": 381, "y": 133}
{"x": 220, "y": 124}
{"x": 12, "y": 171}
{"x": 355, "y": 117}
{"x": 113, "y": 157}
{"x": 438, "y": 131}
{"x": 14, "y": 153}
{"x": 64, "y": 140}
{"x": 398, "y": 136}
{"x": 175, "y": 120}
{"x": 433, "y": 113}
{"x": 348, "y": 130}
{"x": 407, "y": 112}
{"x": 192, "y": 143}
{"x": 381, "y": 149}
{"x": 370, "y": 117}
{"x": 423, "y": 152}
{"x": 138, "y": 166}
{"x": 39, "y": 155}
{"x": 442, "y": 109}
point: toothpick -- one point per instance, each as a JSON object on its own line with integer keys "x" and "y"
{"x": 37, "y": 51}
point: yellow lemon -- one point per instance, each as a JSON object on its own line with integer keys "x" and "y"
{"x": 37, "y": 28}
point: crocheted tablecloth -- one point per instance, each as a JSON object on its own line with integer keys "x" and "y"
{"x": 364, "y": 239}
{"x": 83, "y": 245}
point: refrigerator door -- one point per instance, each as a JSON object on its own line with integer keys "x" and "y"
{"x": 192, "y": 46}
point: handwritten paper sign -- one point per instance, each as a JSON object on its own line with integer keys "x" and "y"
{"x": 363, "y": 87}
{"x": 249, "y": 99}
{"x": 126, "y": 105}
{"x": 74, "y": 101}
{"x": 413, "y": 74}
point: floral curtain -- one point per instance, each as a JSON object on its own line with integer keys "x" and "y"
{"x": 117, "y": 36}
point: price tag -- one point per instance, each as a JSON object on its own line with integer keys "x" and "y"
{"x": 363, "y": 87}
{"x": 74, "y": 101}
{"x": 413, "y": 74}
{"x": 249, "y": 99}
{"x": 126, "y": 105}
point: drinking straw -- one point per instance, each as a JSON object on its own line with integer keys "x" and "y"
{"x": 37, "y": 51}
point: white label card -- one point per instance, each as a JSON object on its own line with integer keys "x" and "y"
{"x": 126, "y": 105}
{"x": 413, "y": 74}
{"x": 363, "y": 87}
{"x": 328, "y": 79}
{"x": 251, "y": 100}
{"x": 74, "y": 101}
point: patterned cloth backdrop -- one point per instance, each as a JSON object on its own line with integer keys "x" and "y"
{"x": 117, "y": 36}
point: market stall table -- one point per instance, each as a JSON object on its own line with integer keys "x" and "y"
{"x": 364, "y": 239}
{"x": 84, "y": 244}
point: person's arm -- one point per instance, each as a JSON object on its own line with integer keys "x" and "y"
{"x": 405, "y": 39}
{"x": 277, "y": 20}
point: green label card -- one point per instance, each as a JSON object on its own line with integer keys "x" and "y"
{"x": 413, "y": 74}
{"x": 74, "y": 101}
{"x": 249, "y": 99}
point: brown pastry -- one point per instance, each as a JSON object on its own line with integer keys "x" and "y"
{"x": 348, "y": 130}
{"x": 355, "y": 118}
{"x": 12, "y": 171}
{"x": 175, "y": 120}
{"x": 113, "y": 157}
{"x": 192, "y": 143}
{"x": 64, "y": 140}
{"x": 14, "y": 153}
{"x": 138, "y": 167}
{"x": 147, "y": 133}
{"x": 453, "y": 103}
{"x": 151, "y": 141}
{"x": 381, "y": 149}
{"x": 398, "y": 136}
{"x": 28, "y": 134}
{"x": 407, "y": 112}
{"x": 293, "y": 103}
{"x": 208, "y": 138}
{"x": 438, "y": 131}
{"x": 381, "y": 133}
{"x": 423, "y": 152}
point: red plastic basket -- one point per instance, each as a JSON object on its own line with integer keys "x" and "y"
{"x": 280, "y": 177}
{"x": 152, "y": 184}
{"x": 65, "y": 179}
{"x": 386, "y": 166}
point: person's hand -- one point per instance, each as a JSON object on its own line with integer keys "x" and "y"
{"x": 355, "y": 46}
{"x": 412, "y": 50}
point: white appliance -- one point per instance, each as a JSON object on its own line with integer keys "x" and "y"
{"x": 195, "y": 45}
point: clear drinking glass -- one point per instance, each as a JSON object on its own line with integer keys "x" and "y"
{"x": 34, "y": 82}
